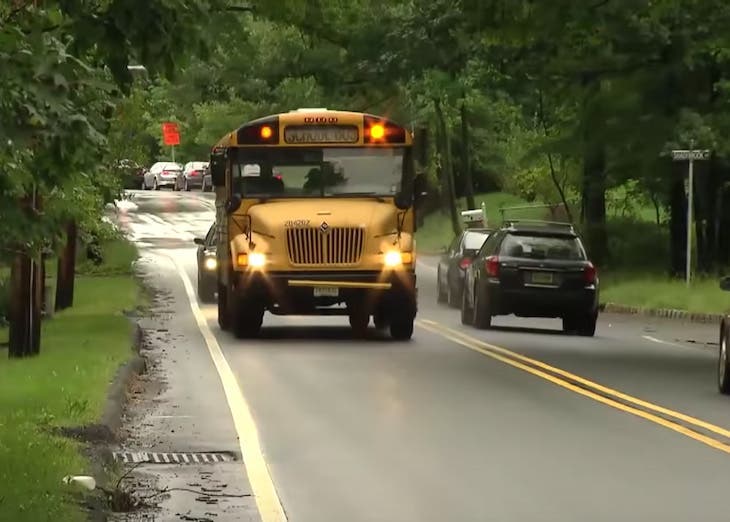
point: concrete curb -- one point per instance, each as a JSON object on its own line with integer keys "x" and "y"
{"x": 117, "y": 394}
{"x": 666, "y": 313}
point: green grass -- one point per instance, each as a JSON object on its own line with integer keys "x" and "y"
{"x": 650, "y": 291}
{"x": 64, "y": 386}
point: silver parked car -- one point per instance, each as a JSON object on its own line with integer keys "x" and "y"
{"x": 161, "y": 174}
{"x": 192, "y": 175}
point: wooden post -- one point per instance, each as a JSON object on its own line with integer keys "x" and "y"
{"x": 67, "y": 269}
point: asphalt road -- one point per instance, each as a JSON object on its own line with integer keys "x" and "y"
{"x": 518, "y": 423}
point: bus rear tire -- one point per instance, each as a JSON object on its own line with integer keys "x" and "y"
{"x": 247, "y": 316}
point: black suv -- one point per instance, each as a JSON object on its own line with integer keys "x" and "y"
{"x": 532, "y": 269}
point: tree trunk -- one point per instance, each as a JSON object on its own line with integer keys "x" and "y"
{"x": 594, "y": 202}
{"x": 466, "y": 158}
{"x": 553, "y": 175}
{"x": 26, "y": 295}
{"x": 717, "y": 225}
{"x": 594, "y": 179}
{"x": 26, "y": 290}
{"x": 67, "y": 269}
{"x": 447, "y": 167}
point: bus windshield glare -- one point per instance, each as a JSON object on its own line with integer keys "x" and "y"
{"x": 318, "y": 172}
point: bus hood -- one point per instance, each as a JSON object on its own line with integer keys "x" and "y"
{"x": 275, "y": 217}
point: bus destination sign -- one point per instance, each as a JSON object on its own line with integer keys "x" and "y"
{"x": 321, "y": 134}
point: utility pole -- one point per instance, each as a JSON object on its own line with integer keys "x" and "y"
{"x": 691, "y": 156}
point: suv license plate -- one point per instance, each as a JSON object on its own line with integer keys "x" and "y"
{"x": 326, "y": 291}
{"x": 542, "y": 278}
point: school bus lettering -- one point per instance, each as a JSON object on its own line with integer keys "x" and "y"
{"x": 321, "y": 134}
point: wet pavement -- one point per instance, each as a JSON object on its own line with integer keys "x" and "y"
{"x": 436, "y": 429}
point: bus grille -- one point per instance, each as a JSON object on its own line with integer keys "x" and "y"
{"x": 336, "y": 246}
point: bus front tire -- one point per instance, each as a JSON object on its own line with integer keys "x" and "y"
{"x": 247, "y": 316}
{"x": 401, "y": 329}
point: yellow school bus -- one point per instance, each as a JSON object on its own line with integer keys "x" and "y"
{"x": 315, "y": 213}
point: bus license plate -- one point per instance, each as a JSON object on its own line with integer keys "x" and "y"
{"x": 326, "y": 291}
{"x": 542, "y": 278}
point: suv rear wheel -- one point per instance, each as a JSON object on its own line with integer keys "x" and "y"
{"x": 587, "y": 325}
{"x": 482, "y": 311}
{"x": 723, "y": 362}
{"x": 467, "y": 315}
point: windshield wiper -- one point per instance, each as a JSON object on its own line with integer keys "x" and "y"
{"x": 356, "y": 195}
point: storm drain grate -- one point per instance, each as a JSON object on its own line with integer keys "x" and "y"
{"x": 128, "y": 457}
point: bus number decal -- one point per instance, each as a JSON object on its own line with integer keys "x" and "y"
{"x": 296, "y": 223}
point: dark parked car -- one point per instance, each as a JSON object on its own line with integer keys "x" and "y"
{"x": 532, "y": 269}
{"x": 207, "y": 266}
{"x": 192, "y": 175}
{"x": 453, "y": 264}
{"x": 723, "y": 364}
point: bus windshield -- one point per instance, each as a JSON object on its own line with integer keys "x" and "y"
{"x": 316, "y": 173}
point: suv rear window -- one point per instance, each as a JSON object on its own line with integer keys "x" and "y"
{"x": 474, "y": 240}
{"x": 542, "y": 247}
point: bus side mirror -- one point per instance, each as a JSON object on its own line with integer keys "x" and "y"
{"x": 725, "y": 283}
{"x": 233, "y": 203}
{"x": 218, "y": 170}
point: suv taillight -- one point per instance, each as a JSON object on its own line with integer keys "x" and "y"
{"x": 589, "y": 274}
{"x": 464, "y": 263}
{"x": 492, "y": 266}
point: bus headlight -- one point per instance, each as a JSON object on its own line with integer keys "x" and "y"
{"x": 211, "y": 263}
{"x": 256, "y": 260}
{"x": 251, "y": 260}
{"x": 396, "y": 258}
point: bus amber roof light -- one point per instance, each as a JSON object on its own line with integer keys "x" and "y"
{"x": 377, "y": 131}
{"x": 266, "y": 132}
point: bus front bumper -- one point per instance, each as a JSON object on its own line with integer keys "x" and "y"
{"x": 318, "y": 293}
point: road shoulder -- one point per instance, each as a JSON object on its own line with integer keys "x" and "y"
{"x": 178, "y": 412}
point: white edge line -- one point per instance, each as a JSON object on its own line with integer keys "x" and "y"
{"x": 267, "y": 500}
{"x": 655, "y": 340}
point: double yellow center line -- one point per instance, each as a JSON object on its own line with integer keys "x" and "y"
{"x": 699, "y": 430}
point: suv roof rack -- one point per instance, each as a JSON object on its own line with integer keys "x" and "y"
{"x": 516, "y": 222}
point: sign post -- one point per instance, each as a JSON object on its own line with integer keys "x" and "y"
{"x": 171, "y": 136}
{"x": 690, "y": 155}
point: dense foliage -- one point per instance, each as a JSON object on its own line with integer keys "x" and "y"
{"x": 566, "y": 101}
